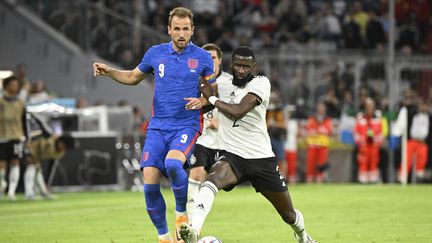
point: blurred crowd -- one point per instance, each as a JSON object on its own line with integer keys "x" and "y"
{"x": 276, "y": 25}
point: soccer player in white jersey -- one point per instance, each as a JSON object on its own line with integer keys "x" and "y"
{"x": 203, "y": 157}
{"x": 246, "y": 153}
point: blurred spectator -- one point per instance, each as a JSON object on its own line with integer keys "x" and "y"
{"x": 216, "y": 29}
{"x": 347, "y": 78}
{"x": 332, "y": 28}
{"x": 82, "y": 103}
{"x": 418, "y": 131}
{"x": 351, "y": 34}
{"x": 123, "y": 102}
{"x": 126, "y": 59}
{"x": 21, "y": 73}
{"x": 140, "y": 123}
{"x": 347, "y": 106}
{"x": 359, "y": 16}
{"x": 263, "y": 18}
{"x": 332, "y": 104}
{"x": 368, "y": 136}
{"x": 409, "y": 34}
{"x": 276, "y": 125}
{"x": 298, "y": 90}
{"x": 25, "y": 84}
{"x": 319, "y": 128}
{"x": 224, "y": 42}
{"x": 38, "y": 93}
{"x": 374, "y": 31}
{"x": 293, "y": 19}
{"x": 290, "y": 145}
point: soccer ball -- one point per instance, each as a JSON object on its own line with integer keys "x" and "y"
{"x": 209, "y": 239}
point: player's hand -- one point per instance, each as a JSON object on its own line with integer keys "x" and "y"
{"x": 100, "y": 69}
{"x": 193, "y": 104}
{"x": 206, "y": 88}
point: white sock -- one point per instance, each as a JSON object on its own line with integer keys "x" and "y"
{"x": 2, "y": 180}
{"x": 14, "y": 175}
{"x": 166, "y": 236}
{"x": 2, "y": 174}
{"x": 299, "y": 226}
{"x": 204, "y": 202}
{"x": 40, "y": 182}
{"x": 193, "y": 189}
{"x": 29, "y": 180}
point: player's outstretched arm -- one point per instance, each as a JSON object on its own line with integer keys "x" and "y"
{"x": 127, "y": 77}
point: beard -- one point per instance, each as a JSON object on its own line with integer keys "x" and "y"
{"x": 180, "y": 44}
{"x": 241, "y": 82}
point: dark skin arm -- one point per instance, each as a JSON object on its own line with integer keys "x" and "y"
{"x": 237, "y": 111}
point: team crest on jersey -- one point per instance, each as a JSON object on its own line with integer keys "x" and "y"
{"x": 145, "y": 156}
{"x": 192, "y": 63}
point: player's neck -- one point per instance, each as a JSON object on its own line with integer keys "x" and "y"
{"x": 176, "y": 49}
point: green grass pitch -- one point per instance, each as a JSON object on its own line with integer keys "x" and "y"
{"x": 333, "y": 213}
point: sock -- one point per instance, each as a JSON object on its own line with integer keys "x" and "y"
{"x": 156, "y": 207}
{"x": 14, "y": 175}
{"x": 40, "y": 182}
{"x": 204, "y": 202}
{"x": 193, "y": 189}
{"x": 299, "y": 226}
{"x": 2, "y": 174}
{"x": 3, "y": 183}
{"x": 179, "y": 182}
{"x": 29, "y": 180}
{"x": 166, "y": 236}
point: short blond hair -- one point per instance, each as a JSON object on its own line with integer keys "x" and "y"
{"x": 180, "y": 12}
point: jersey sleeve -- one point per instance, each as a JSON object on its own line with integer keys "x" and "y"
{"x": 145, "y": 64}
{"x": 208, "y": 69}
{"x": 260, "y": 87}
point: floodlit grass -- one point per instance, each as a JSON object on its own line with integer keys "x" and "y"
{"x": 333, "y": 213}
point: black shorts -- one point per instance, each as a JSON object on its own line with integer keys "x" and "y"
{"x": 11, "y": 150}
{"x": 262, "y": 173}
{"x": 203, "y": 156}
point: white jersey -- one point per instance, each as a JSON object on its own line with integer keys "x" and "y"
{"x": 291, "y": 138}
{"x": 420, "y": 126}
{"x": 246, "y": 137}
{"x": 209, "y": 136}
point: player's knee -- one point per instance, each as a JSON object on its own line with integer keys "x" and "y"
{"x": 198, "y": 174}
{"x": 173, "y": 168}
{"x": 172, "y": 172}
{"x": 222, "y": 175}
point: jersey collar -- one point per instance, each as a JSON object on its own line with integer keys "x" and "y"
{"x": 186, "y": 50}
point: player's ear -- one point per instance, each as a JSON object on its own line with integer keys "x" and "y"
{"x": 169, "y": 30}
